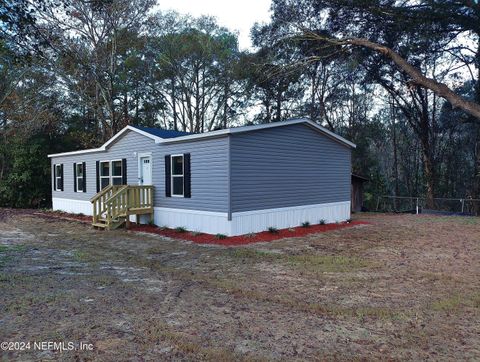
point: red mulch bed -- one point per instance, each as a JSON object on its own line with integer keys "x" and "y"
{"x": 202, "y": 238}
{"x": 264, "y": 236}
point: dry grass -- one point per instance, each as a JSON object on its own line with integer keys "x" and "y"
{"x": 405, "y": 287}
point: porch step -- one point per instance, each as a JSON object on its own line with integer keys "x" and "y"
{"x": 99, "y": 225}
{"x": 113, "y": 206}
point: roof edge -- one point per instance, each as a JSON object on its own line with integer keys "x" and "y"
{"x": 103, "y": 147}
{"x": 242, "y": 129}
{"x": 193, "y": 137}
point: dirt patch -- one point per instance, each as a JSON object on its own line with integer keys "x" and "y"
{"x": 403, "y": 288}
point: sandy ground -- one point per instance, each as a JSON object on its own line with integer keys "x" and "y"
{"x": 404, "y": 288}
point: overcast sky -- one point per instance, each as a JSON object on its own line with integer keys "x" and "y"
{"x": 237, "y": 15}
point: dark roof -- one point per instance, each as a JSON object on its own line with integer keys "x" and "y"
{"x": 162, "y": 133}
{"x": 359, "y": 178}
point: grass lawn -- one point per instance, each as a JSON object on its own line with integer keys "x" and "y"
{"x": 405, "y": 287}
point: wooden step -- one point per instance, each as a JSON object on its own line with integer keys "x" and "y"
{"x": 99, "y": 225}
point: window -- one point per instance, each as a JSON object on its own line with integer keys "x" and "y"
{"x": 177, "y": 175}
{"x": 111, "y": 173}
{"x": 58, "y": 177}
{"x": 104, "y": 174}
{"x": 117, "y": 172}
{"x": 79, "y": 177}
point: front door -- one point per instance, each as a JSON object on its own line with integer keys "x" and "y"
{"x": 146, "y": 170}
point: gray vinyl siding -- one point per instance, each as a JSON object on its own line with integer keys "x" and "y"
{"x": 287, "y": 166}
{"x": 209, "y": 170}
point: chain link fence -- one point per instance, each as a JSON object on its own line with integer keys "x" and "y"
{"x": 417, "y": 205}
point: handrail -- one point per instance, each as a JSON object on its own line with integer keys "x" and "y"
{"x": 119, "y": 191}
{"x": 101, "y": 193}
{"x": 121, "y": 201}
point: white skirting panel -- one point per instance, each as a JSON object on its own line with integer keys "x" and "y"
{"x": 285, "y": 217}
{"x": 218, "y": 223}
{"x": 72, "y": 206}
{"x": 193, "y": 220}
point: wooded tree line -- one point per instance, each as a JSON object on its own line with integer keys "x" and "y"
{"x": 74, "y": 72}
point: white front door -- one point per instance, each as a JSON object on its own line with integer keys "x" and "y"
{"x": 146, "y": 170}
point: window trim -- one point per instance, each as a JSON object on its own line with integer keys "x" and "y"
{"x": 79, "y": 177}
{"x": 110, "y": 176}
{"x": 178, "y": 176}
{"x": 111, "y": 171}
{"x": 58, "y": 175}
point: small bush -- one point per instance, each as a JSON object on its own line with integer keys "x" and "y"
{"x": 151, "y": 223}
{"x": 220, "y": 236}
{"x": 322, "y": 222}
{"x": 306, "y": 224}
{"x": 349, "y": 220}
{"x": 272, "y": 230}
{"x": 180, "y": 229}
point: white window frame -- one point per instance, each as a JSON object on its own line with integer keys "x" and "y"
{"x": 172, "y": 176}
{"x": 100, "y": 173}
{"x": 110, "y": 176}
{"x": 111, "y": 171}
{"x": 79, "y": 177}
{"x": 58, "y": 175}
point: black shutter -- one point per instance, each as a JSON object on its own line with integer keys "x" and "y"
{"x": 168, "y": 174}
{"x": 84, "y": 176}
{"x": 54, "y": 177}
{"x": 74, "y": 177}
{"x": 187, "y": 192}
{"x": 98, "y": 176}
{"x": 124, "y": 171}
{"x": 61, "y": 177}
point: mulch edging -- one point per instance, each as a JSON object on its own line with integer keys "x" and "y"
{"x": 203, "y": 238}
{"x": 261, "y": 237}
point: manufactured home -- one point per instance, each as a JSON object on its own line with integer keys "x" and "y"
{"x": 232, "y": 181}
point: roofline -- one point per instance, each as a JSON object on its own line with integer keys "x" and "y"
{"x": 211, "y": 134}
{"x": 103, "y": 147}
{"x": 363, "y": 178}
{"x": 242, "y": 129}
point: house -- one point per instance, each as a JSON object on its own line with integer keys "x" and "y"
{"x": 232, "y": 181}
{"x": 357, "y": 192}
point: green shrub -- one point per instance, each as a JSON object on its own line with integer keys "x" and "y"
{"x": 272, "y": 230}
{"x": 220, "y": 236}
{"x": 180, "y": 229}
{"x": 322, "y": 222}
{"x": 306, "y": 224}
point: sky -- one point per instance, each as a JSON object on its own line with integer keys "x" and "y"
{"x": 235, "y": 15}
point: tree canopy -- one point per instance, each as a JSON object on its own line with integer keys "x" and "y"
{"x": 398, "y": 78}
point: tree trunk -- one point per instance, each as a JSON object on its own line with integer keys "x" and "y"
{"x": 174, "y": 104}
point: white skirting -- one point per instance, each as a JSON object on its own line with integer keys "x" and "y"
{"x": 285, "y": 217}
{"x": 241, "y": 223}
{"x": 193, "y": 220}
{"x": 251, "y": 221}
{"x": 72, "y": 206}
